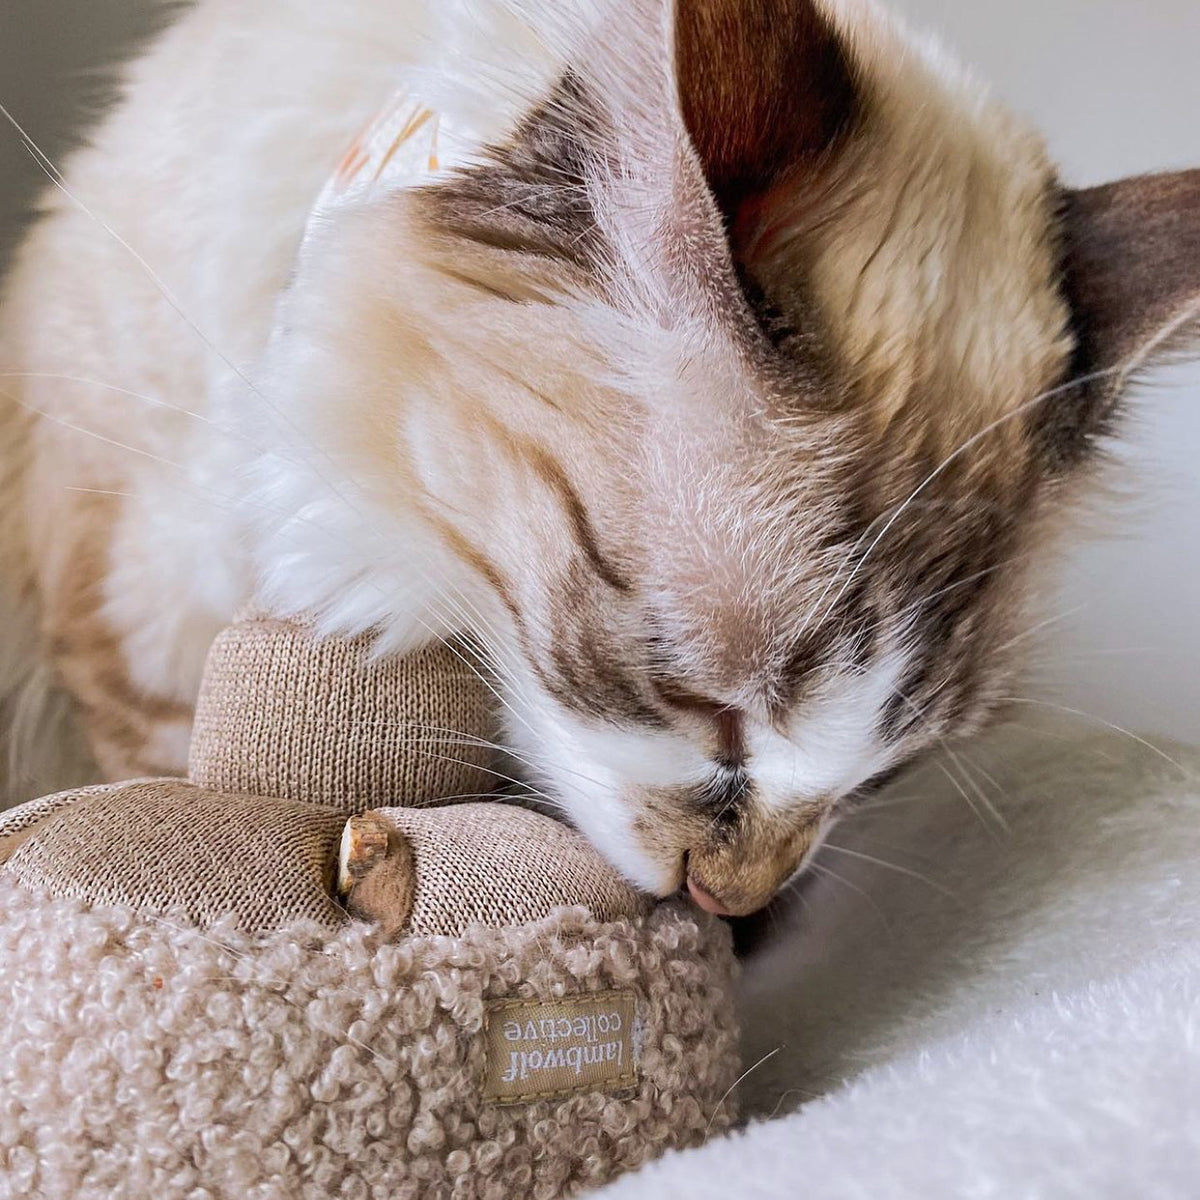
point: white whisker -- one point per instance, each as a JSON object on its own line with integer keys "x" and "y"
{"x": 737, "y": 1083}
{"x": 1087, "y": 716}
{"x": 882, "y": 862}
{"x": 824, "y": 869}
{"x": 956, "y": 454}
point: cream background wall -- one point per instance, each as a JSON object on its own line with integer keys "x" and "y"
{"x": 1115, "y": 86}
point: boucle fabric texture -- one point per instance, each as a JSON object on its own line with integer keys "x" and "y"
{"x": 189, "y": 1013}
{"x": 328, "y": 721}
{"x": 147, "y": 1058}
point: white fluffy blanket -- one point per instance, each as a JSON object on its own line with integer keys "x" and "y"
{"x": 1011, "y": 1009}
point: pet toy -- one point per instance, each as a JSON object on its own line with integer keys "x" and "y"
{"x": 320, "y": 966}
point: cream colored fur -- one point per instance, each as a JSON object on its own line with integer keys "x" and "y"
{"x": 234, "y": 121}
{"x": 246, "y": 422}
{"x": 964, "y": 178}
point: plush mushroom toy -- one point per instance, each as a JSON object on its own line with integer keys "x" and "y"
{"x": 323, "y": 965}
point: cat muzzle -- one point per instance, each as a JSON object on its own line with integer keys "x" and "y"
{"x": 729, "y": 884}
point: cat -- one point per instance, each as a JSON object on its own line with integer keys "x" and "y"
{"x": 731, "y": 387}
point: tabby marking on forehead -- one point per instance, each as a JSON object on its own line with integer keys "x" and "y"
{"x": 530, "y": 195}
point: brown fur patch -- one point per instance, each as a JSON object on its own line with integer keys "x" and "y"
{"x": 1131, "y": 274}
{"x": 763, "y": 86}
{"x": 530, "y": 197}
{"x": 119, "y": 719}
{"x": 740, "y": 854}
{"x": 552, "y": 473}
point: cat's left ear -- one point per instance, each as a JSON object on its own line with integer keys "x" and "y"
{"x": 1131, "y": 259}
{"x": 765, "y": 87}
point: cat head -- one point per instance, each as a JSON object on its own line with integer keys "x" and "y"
{"x": 731, "y": 398}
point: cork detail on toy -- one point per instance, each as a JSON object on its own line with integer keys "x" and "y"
{"x": 377, "y": 875}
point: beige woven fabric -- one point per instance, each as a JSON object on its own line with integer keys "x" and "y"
{"x": 167, "y": 847}
{"x": 285, "y": 719}
{"x": 17, "y": 824}
{"x": 497, "y": 865}
{"x": 282, "y": 713}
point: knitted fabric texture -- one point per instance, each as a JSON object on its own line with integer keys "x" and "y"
{"x": 497, "y": 865}
{"x": 147, "y": 1058}
{"x": 16, "y": 823}
{"x": 282, "y": 713}
{"x": 166, "y": 845}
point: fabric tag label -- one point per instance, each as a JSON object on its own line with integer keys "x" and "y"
{"x": 535, "y": 1050}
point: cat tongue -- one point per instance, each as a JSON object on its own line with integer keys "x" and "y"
{"x": 706, "y": 900}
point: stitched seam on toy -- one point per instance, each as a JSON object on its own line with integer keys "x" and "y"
{"x": 590, "y": 1034}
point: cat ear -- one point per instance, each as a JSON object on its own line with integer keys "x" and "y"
{"x": 764, "y": 87}
{"x": 1131, "y": 274}
{"x": 1132, "y": 270}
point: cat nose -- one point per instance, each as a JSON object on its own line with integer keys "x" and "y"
{"x": 735, "y": 877}
{"x": 705, "y": 899}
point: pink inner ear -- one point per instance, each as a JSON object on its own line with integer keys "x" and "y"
{"x": 763, "y": 86}
{"x": 757, "y": 221}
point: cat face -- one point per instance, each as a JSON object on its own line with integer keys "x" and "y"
{"x": 730, "y": 400}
